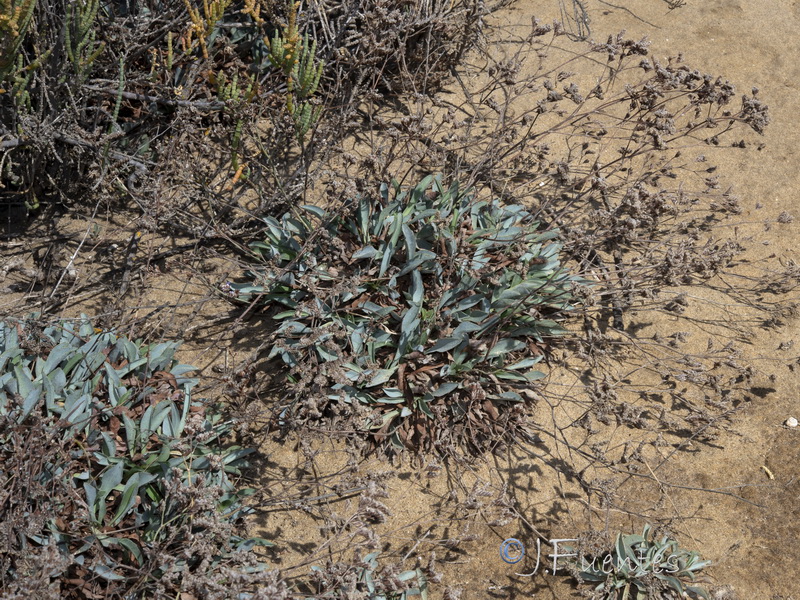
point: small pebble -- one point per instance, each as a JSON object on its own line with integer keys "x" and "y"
{"x": 791, "y": 422}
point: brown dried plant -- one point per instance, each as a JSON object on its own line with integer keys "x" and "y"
{"x": 612, "y": 160}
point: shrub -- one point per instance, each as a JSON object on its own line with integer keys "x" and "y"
{"x": 367, "y": 580}
{"x": 15, "y": 17}
{"x": 116, "y": 481}
{"x": 87, "y": 119}
{"x": 641, "y": 567}
{"x": 380, "y": 46}
{"x": 428, "y": 307}
{"x": 617, "y": 156}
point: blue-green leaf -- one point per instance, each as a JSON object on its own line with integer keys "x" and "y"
{"x": 107, "y": 573}
{"x": 381, "y": 376}
{"x": 315, "y": 210}
{"x": 445, "y": 344}
{"x": 445, "y": 388}
{"x": 525, "y": 363}
{"x": 366, "y": 252}
{"x": 505, "y": 346}
{"x": 111, "y": 478}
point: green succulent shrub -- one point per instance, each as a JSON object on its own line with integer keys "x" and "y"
{"x": 15, "y": 17}
{"x": 116, "y": 480}
{"x": 302, "y": 70}
{"x": 641, "y": 567}
{"x": 420, "y": 313}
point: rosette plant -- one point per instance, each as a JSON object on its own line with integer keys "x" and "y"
{"x": 423, "y": 310}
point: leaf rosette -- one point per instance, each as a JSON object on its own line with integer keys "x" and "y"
{"x": 643, "y": 566}
{"x": 139, "y": 466}
{"x": 426, "y": 306}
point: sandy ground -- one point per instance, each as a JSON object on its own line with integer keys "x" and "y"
{"x": 754, "y": 548}
{"x": 751, "y": 541}
{"x": 736, "y": 498}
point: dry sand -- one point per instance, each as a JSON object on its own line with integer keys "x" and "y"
{"x": 749, "y": 526}
{"x": 753, "y": 546}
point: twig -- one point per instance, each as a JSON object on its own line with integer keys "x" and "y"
{"x": 72, "y": 258}
{"x": 130, "y": 256}
{"x": 200, "y": 104}
{"x": 338, "y": 495}
{"x": 634, "y": 15}
{"x": 140, "y": 164}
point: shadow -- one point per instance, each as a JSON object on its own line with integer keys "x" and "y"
{"x": 762, "y": 392}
